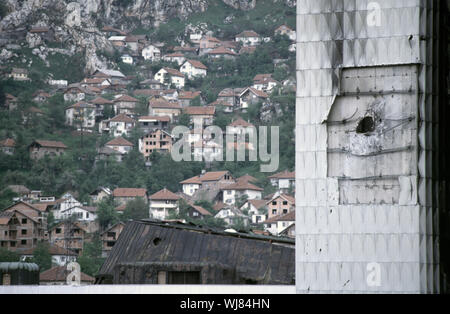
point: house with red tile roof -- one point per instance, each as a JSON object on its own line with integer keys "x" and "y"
{"x": 81, "y": 115}
{"x": 169, "y": 76}
{"x": 125, "y": 104}
{"x": 250, "y": 96}
{"x": 278, "y": 224}
{"x": 121, "y": 146}
{"x": 197, "y": 212}
{"x": 177, "y": 57}
{"x": 248, "y": 38}
{"x": 222, "y": 105}
{"x": 256, "y": 209}
{"x": 159, "y": 106}
{"x": 7, "y": 146}
{"x": 163, "y": 203}
{"x": 185, "y": 98}
{"x": 123, "y": 195}
{"x": 264, "y": 82}
{"x": 193, "y": 69}
{"x": 120, "y": 125}
{"x": 58, "y": 276}
{"x": 207, "y": 180}
{"x": 284, "y": 180}
{"x": 233, "y": 193}
{"x": 221, "y": 52}
{"x": 201, "y": 115}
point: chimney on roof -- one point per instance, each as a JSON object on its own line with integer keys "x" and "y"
{"x": 203, "y": 171}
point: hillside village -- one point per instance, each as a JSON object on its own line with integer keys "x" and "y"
{"x": 79, "y": 159}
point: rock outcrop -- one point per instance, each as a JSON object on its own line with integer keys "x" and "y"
{"x": 76, "y": 22}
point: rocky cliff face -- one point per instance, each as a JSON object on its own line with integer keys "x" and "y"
{"x": 75, "y": 22}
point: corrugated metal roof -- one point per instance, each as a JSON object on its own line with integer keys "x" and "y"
{"x": 268, "y": 260}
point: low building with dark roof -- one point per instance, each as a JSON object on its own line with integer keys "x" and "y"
{"x": 41, "y": 148}
{"x": 176, "y": 253}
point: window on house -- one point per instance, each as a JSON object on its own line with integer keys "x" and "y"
{"x": 24, "y": 221}
{"x": 274, "y": 212}
{"x": 285, "y": 211}
{"x": 23, "y": 242}
{"x": 285, "y": 202}
{"x": 58, "y": 230}
{"x": 24, "y": 231}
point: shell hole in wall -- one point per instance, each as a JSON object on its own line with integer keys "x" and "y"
{"x": 156, "y": 241}
{"x": 365, "y": 125}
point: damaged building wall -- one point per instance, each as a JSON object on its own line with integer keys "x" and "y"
{"x": 366, "y": 207}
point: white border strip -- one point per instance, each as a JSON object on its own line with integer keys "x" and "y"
{"x": 149, "y": 289}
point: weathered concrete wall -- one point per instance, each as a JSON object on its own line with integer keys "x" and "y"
{"x": 366, "y": 214}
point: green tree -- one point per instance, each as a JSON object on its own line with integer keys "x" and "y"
{"x": 91, "y": 260}
{"x": 107, "y": 214}
{"x": 8, "y": 256}
{"x": 184, "y": 119}
{"x": 135, "y": 210}
{"x": 42, "y": 256}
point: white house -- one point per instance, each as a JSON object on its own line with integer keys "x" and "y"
{"x": 120, "y": 145}
{"x": 233, "y": 192}
{"x": 251, "y": 96}
{"x": 168, "y": 76}
{"x": 232, "y": 215}
{"x": 264, "y": 82}
{"x": 81, "y": 114}
{"x": 284, "y": 180}
{"x": 193, "y": 69}
{"x": 151, "y": 53}
{"x": 191, "y": 185}
{"x": 249, "y": 38}
{"x": 65, "y": 202}
{"x": 127, "y": 59}
{"x": 163, "y": 203}
{"x": 177, "y": 57}
{"x": 256, "y": 209}
{"x": 117, "y": 126}
{"x": 100, "y": 194}
{"x": 81, "y": 213}
{"x": 278, "y": 224}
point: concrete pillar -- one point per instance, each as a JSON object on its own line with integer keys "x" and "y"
{"x": 365, "y": 191}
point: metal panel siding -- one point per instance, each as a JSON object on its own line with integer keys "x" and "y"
{"x": 353, "y": 210}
